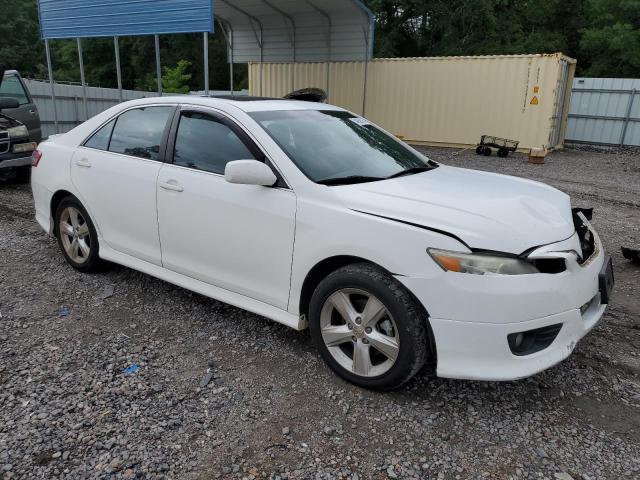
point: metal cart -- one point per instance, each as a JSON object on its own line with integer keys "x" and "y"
{"x": 503, "y": 145}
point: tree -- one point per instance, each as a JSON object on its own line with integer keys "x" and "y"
{"x": 176, "y": 79}
{"x": 604, "y": 35}
{"x": 610, "y": 44}
{"x": 20, "y": 44}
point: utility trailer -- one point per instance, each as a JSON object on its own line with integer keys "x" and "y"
{"x": 503, "y": 145}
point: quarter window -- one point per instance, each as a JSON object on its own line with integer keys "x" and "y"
{"x": 139, "y": 132}
{"x": 100, "y": 139}
{"x": 205, "y": 143}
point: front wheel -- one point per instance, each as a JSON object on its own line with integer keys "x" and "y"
{"x": 368, "y": 327}
{"x": 503, "y": 152}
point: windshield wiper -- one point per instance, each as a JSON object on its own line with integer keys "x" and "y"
{"x": 411, "y": 171}
{"x": 348, "y": 180}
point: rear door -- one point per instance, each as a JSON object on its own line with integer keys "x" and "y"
{"x": 116, "y": 171}
{"x": 27, "y": 113}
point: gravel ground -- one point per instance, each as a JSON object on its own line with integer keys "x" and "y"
{"x": 70, "y": 409}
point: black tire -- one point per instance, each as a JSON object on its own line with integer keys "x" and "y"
{"x": 92, "y": 262}
{"x": 503, "y": 152}
{"x": 479, "y": 149}
{"x": 486, "y": 152}
{"x": 22, "y": 174}
{"x": 409, "y": 317}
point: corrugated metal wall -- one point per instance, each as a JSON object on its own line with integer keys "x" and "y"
{"x": 82, "y": 18}
{"x": 70, "y": 105}
{"x": 442, "y": 100}
{"x": 605, "y": 111}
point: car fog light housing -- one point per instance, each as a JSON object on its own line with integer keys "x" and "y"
{"x": 518, "y": 339}
{"x": 24, "y": 147}
{"x": 481, "y": 263}
{"x": 19, "y": 131}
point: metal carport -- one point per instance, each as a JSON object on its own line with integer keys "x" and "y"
{"x": 295, "y": 31}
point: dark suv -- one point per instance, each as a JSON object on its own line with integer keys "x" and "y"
{"x": 20, "y": 130}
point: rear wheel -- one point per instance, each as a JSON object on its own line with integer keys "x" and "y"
{"x": 368, "y": 327}
{"x": 76, "y": 235}
{"x": 480, "y": 149}
{"x": 503, "y": 152}
{"x": 486, "y": 152}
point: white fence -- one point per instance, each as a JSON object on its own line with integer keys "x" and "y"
{"x": 605, "y": 111}
{"x": 70, "y": 108}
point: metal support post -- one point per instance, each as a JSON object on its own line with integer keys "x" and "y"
{"x": 53, "y": 90}
{"x": 158, "y": 68}
{"x": 116, "y": 44}
{"x": 82, "y": 80}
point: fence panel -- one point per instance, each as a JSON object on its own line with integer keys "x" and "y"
{"x": 605, "y": 111}
{"x": 70, "y": 105}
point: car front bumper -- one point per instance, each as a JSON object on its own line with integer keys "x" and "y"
{"x": 471, "y": 316}
{"x": 480, "y": 351}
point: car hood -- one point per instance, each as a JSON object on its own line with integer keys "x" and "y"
{"x": 485, "y": 210}
{"x": 7, "y": 122}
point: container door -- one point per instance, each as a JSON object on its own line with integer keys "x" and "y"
{"x": 558, "y": 109}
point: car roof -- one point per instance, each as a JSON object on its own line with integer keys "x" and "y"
{"x": 10, "y": 72}
{"x": 245, "y": 103}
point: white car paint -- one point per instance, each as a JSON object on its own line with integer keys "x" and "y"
{"x": 253, "y": 246}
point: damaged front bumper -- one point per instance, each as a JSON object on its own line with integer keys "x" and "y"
{"x": 509, "y": 327}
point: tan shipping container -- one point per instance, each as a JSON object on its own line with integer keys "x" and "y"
{"x": 448, "y": 101}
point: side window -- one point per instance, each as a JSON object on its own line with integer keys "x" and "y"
{"x": 139, "y": 132}
{"x": 12, "y": 88}
{"x": 204, "y": 143}
{"x": 100, "y": 139}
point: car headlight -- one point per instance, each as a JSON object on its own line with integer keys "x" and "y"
{"x": 480, "y": 263}
{"x": 19, "y": 131}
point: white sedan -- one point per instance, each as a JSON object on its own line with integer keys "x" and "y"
{"x": 312, "y": 216}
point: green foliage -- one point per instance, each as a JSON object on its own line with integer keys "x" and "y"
{"x": 20, "y": 44}
{"x": 611, "y": 42}
{"x": 604, "y": 35}
{"x": 176, "y": 79}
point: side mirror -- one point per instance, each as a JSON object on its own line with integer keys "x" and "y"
{"x": 8, "y": 102}
{"x": 249, "y": 172}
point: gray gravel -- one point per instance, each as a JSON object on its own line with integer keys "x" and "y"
{"x": 271, "y": 409}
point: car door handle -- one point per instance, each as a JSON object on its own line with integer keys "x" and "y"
{"x": 33, "y": 112}
{"x": 83, "y": 162}
{"x": 171, "y": 185}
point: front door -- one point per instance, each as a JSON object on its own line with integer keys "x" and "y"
{"x": 236, "y": 237}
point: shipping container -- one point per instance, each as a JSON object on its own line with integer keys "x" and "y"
{"x": 448, "y": 101}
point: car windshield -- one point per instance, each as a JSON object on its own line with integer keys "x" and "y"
{"x": 334, "y": 147}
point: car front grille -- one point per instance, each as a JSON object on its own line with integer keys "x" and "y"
{"x": 4, "y": 142}
{"x": 587, "y": 239}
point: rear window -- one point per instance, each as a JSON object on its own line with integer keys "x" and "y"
{"x": 12, "y": 88}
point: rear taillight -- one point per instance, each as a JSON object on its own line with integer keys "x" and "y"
{"x": 36, "y": 156}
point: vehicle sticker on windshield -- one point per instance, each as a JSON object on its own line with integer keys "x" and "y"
{"x": 360, "y": 121}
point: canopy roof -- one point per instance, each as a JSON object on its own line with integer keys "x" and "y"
{"x": 296, "y": 30}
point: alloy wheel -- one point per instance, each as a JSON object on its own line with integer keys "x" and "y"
{"x": 75, "y": 235}
{"x": 359, "y": 332}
